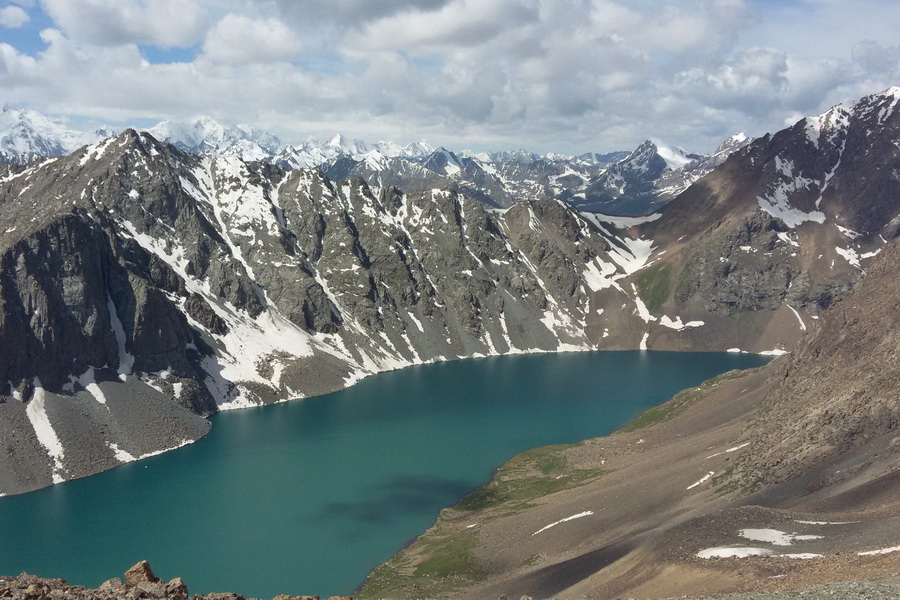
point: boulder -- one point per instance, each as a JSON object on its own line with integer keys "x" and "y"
{"x": 140, "y": 573}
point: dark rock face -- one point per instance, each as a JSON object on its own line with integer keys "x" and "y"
{"x": 837, "y": 394}
{"x": 783, "y": 220}
{"x": 745, "y": 268}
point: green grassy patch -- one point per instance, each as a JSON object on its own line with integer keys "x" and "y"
{"x": 532, "y": 560}
{"x": 678, "y": 403}
{"x": 437, "y": 564}
{"x": 527, "y": 477}
{"x": 654, "y": 285}
{"x": 686, "y": 285}
{"x": 724, "y": 483}
{"x": 450, "y": 557}
{"x": 442, "y": 560}
{"x": 663, "y": 412}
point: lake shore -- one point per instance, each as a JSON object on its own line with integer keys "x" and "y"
{"x": 651, "y": 501}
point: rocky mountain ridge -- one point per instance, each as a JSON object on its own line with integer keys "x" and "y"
{"x": 619, "y": 183}
{"x": 629, "y": 186}
{"x": 792, "y": 218}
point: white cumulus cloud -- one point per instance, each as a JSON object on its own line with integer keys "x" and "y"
{"x": 561, "y": 75}
{"x": 166, "y": 23}
{"x": 13, "y": 17}
{"x": 238, "y": 39}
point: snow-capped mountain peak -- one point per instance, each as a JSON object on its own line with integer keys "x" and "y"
{"x": 207, "y": 137}
{"x": 674, "y": 156}
{"x": 27, "y": 134}
{"x": 414, "y": 149}
{"x": 443, "y": 161}
{"x": 338, "y": 141}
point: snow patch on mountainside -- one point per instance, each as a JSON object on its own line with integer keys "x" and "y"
{"x": 620, "y": 222}
{"x": 580, "y": 515}
{"x": 778, "y": 201}
{"x": 126, "y": 359}
{"x": 43, "y": 429}
{"x": 775, "y": 537}
{"x": 675, "y": 158}
{"x": 678, "y": 324}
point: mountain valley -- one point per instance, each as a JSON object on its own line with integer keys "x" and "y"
{"x": 147, "y": 285}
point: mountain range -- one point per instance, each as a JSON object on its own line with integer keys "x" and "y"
{"x": 146, "y": 285}
{"x": 634, "y": 183}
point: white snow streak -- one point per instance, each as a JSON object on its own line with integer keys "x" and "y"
{"x": 121, "y": 455}
{"x": 621, "y": 222}
{"x": 677, "y": 324}
{"x": 774, "y": 352}
{"x": 586, "y": 513}
{"x": 89, "y": 382}
{"x": 642, "y": 310}
{"x": 95, "y": 151}
{"x": 730, "y": 450}
{"x": 796, "y": 314}
{"x": 180, "y": 444}
{"x": 43, "y": 429}
{"x": 701, "y": 480}
{"x": 848, "y": 232}
{"x": 882, "y": 551}
{"x": 126, "y": 359}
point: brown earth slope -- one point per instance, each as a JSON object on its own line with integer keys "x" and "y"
{"x": 799, "y": 459}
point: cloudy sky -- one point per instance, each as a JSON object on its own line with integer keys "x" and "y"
{"x": 547, "y": 75}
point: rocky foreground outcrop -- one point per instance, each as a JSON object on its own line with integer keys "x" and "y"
{"x": 140, "y": 583}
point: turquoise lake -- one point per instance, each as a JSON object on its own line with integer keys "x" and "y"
{"x": 308, "y": 496}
